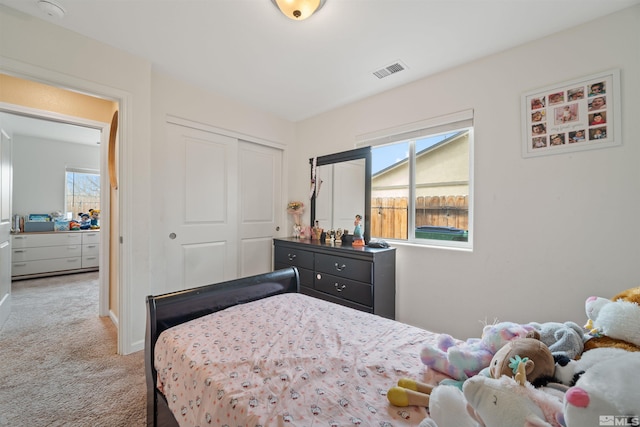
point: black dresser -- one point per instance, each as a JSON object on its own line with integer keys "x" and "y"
{"x": 359, "y": 277}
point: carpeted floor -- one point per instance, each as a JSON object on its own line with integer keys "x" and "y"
{"x": 58, "y": 361}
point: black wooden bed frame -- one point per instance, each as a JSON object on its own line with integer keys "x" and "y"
{"x": 167, "y": 310}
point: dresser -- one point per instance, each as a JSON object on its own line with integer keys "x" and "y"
{"x": 60, "y": 252}
{"x": 358, "y": 277}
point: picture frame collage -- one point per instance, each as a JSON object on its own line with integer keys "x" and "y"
{"x": 574, "y": 115}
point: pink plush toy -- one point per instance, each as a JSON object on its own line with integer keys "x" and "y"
{"x": 463, "y": 359}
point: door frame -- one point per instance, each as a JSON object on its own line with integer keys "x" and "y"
{"x": 125, "y": 171}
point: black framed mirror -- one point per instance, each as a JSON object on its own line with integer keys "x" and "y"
{"x": 342, "y": 190}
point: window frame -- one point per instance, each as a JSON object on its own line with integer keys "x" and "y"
{"x": 410, "y": 134}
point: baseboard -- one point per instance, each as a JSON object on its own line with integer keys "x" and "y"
{"x": 5, "y": 309}
{"x": 113, "y": 318}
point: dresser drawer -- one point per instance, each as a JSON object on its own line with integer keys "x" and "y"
{"x": 90, "y": 237}
{"x": 306, "y": 276}
{"x": 45, "y": 265}
{"x": 294, "y": 257}
{"x": 93, "y": 249}
{"x": 344, "y": 288}
{"x": 45, "y": 252}
{"x": 46, "y": 239}
{"x": 344, "y": 267}
{"x": 90, "y": 261}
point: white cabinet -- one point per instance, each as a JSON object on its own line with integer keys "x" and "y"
{"x": 54, "y": 253}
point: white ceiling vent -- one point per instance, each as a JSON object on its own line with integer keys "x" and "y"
{"x": 390, "y": 69}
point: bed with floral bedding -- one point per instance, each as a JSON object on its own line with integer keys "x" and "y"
{"x": 258, "y": 353}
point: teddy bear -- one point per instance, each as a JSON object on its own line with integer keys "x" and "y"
{"x": 529, "y": 354}
{"x": 604, "y": 394}
{"x": 461, "y": 360}
{"x": 614, "y": 322}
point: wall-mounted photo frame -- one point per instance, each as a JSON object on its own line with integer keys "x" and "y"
{"x": 575, "y": 115}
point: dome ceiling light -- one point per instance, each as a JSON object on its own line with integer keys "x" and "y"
{"x": 51, "y": 8}
{"x": 298, "y": 10}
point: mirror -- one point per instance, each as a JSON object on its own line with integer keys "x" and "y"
{"x": 343, "y": 190}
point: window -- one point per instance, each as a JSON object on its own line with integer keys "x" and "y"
{"x": 82, "y": 191}
{"x": 421, "y": 186}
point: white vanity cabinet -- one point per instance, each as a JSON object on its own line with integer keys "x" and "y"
{"x": 42, "y": 254}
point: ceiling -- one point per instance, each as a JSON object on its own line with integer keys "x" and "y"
{"x": 247, "y": 51}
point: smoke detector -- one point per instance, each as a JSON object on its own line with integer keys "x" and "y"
{"x": 51, "y": 8}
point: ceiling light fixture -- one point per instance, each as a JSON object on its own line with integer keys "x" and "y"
{"x": 51, "y": 8}
{"x": 298, "y": 9}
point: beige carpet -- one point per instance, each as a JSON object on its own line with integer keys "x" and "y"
{"x": 58, "y": 361}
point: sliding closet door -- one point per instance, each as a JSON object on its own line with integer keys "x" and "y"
{"x": 201, "y": 207}
{"x": 261, "y": 207}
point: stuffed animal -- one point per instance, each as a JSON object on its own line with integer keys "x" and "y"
{"x": 563, "y": 339}
{"x": 491, "y": 402}
{"x": 463, "y": 359}
{"x": 615, "y": 322}
{"x": 95, "y": 217}
{"x": 505, "y": 402}
{"x": 605, "y": 394}
{"x": 569, "y": 371}
{"x": 532, "y": 353}
{"x": 529, "y": 354}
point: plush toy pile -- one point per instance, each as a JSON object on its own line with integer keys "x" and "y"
{"x": 537, "y": 374}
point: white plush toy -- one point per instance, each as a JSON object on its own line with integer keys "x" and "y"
{"x": 504, "y": 402}
{"x": 605, "y": 393}
{"x": 615, "y": 319}
{"x": 448, "y": 408}
{"x": 490, "y": 402}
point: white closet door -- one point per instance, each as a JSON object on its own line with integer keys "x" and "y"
{"x": 261, "y": 207}
{"x": 201, "y": 207}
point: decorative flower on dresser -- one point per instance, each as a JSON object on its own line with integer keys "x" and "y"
{"x": 296, "y": 209}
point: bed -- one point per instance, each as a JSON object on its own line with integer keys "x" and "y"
{"x": 255, "y": 352}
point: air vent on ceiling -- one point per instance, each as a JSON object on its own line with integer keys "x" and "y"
{"x": 390, "y": 69}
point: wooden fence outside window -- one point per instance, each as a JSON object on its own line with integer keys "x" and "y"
{"x": 389, "y": 214}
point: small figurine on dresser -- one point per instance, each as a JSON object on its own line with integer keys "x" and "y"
{"x": 85, "y": 222}
{"x": 95, "y": 217}
{"x": 358, "y": 240}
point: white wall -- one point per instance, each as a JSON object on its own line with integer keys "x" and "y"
{"x": 549, "y": 231}
{"x": 39, "y": 167}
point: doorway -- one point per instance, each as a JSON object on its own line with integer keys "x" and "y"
{"x": 37, "y": 124}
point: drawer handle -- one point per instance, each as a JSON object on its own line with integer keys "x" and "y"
{"x": 339, "y": 267}
{"x": 340, "y": 288}
{"x": 20, "y": 265}
{"x": 19, "y": 251}
{"x": 291, "y": 256}
{"x": 19, "y": 237}
{"x": 90, "y": 258}
{"x": 91, "y": 246}
{"x": 72, "y": 260}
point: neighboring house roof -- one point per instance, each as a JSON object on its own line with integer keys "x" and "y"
{"x": 421, "y": 153}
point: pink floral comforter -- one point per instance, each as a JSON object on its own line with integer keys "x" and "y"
{"x": 289, "y": 360}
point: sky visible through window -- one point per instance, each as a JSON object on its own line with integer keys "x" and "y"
{"x": 387, "y": 155}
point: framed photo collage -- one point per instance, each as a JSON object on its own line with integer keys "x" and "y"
{"x": 570, "y": 116}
